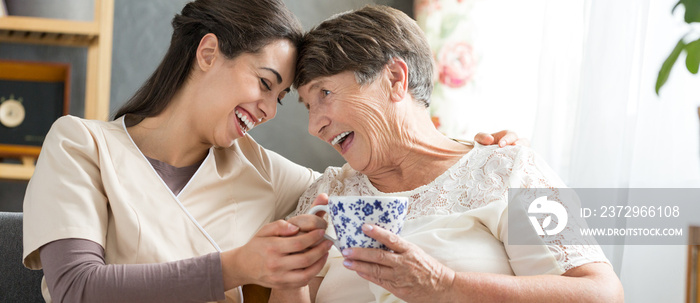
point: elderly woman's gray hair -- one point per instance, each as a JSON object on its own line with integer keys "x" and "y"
{"x": 364, "y": 41}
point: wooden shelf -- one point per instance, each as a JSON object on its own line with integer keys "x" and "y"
{"x": 21, "y": 171}
{"x": 95, "y": 35}
{"x": 18, "y": 29}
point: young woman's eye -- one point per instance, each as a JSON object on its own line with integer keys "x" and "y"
{"x": 264, "y": 83}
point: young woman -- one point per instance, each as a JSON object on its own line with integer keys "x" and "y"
{"x": 172, "y": 201}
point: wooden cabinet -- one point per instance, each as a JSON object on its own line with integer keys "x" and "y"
{"x": 95, "y": 35}
{"x": 693, "y": 277}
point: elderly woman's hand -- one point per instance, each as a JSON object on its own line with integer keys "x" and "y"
{"x": 503, "y": 138}
{"x": 407, "y": 272}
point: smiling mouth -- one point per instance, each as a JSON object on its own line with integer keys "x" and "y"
{"x": 339, "y": 139}
{"x": 246, "y": 125}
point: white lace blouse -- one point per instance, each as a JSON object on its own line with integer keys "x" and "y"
{"x": 460, "y": 219}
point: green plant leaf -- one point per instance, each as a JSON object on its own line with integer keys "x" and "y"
{"x": 675, "y": 6}
{"x": 668, "y": 64}
{"x": 692, "y": 61}
{"x": 692, "y": 10}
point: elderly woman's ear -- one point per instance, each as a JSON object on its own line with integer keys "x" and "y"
{"x": 398, "y": 77}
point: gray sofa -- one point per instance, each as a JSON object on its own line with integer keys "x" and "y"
{"x": 17, "y": 283}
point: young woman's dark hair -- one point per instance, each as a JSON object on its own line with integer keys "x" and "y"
{"x": 242, "y": 26}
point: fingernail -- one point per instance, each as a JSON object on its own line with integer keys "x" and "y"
{"x": 502, "y": 143}
{"x": 292, "y": 227}
{"x": 367, "y": 227}
{"x": 347, "y": 252}
{"x": 347, "y": 263}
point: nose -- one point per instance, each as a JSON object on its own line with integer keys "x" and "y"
{"x": 268, "y": 108}
{"x": 317, "y": 122}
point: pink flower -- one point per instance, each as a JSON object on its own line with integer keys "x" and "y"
{"x": 456, "y": 64}
{"x": 426, "y": 7}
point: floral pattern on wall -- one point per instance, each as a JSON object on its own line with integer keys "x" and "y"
{"x": 449, "y": 28}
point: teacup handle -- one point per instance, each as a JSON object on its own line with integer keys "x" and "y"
{"x": 318, "y": 208}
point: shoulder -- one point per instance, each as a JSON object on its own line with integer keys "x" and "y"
{"x": 70, "y": 123}
{"x": 72, "y": 126}
{"x": 334, "y": 172}
{"x": 268, "y": 162}
{"x": 329, "y": 176}
{"x": 70, "y": 131}
{"x": 337, "y": 180}
{"x": 73, "y": 121}
{"x": 246, "y": 150}
{"x": 492, "y": 156}
{"x": 511, "y": 152}
{"x": 518, "y": 166}
{"x": 331, "y": 182}
{"x": 251, "y": 149}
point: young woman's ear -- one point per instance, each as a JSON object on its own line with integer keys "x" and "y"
{"x": 207, "y": 51}
{"x": 398, "y": 77}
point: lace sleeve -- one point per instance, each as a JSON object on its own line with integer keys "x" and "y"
{"x": 531, "y": 172}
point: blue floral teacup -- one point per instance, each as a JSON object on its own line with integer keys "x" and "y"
{"x": 349, "y": 213}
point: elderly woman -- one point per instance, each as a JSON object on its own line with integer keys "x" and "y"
{"x": 366, "y": 79}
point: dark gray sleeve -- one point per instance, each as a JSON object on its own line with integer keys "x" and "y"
{"x": 75, "y": 271}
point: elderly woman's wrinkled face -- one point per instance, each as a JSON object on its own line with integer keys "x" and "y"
{"x": 356, "y": 120}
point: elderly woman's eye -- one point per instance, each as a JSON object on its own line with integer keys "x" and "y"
{"x": 281, "y": 96}
{"x": 325, "y": 92}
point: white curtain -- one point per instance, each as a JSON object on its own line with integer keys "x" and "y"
{"x": 627, "y": 136}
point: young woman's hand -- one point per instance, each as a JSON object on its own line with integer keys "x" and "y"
{"x": 300, "y": 294}
{"x": 283, "y": 254}
{"x": 502, "y": 138}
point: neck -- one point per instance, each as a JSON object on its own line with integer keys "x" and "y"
{"x": 426, "y": 154}
{"x": 169, "y": 137}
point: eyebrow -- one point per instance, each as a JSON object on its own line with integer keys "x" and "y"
{"x": 279, "y": 77}
{"x": 313, "y": 86}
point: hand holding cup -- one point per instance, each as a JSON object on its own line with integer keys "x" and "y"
{"x": 349, "y": 213}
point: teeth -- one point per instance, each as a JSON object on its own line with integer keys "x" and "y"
{"x": 249, "y": 125}
{"x": 339, "y": 138}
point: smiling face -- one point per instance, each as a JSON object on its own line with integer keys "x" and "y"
{"x": 356, "y": 120}
{"x": 238, "y": 94}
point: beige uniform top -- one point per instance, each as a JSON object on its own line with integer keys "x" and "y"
{"x": 92, "y": 182}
